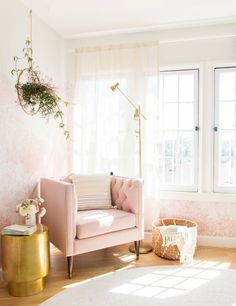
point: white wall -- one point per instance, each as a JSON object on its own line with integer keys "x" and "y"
{"x": 30, "y": 147}
{"x": 200, "y": 47}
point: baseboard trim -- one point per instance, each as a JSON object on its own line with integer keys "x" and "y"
{"x": 210, "y": 241}
{"x": 147, "y": 236}
{"x": 215, "y": 241}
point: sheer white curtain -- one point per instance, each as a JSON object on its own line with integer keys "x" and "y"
{"x": 104, "y": 129}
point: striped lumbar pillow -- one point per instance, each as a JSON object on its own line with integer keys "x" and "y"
{"x": 92, "y": 191}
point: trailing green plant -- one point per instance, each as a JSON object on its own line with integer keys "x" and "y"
{"x": 35, "y": 94}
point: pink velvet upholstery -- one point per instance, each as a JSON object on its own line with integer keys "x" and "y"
{"x": 90, "y": 223}
{"x": 75, "y": 232}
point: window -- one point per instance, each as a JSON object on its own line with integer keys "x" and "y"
{"x": 179, "y": 125}
{"x": 225, "y": 130}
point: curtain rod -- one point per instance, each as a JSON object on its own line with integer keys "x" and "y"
{"x": 116, "y": 46}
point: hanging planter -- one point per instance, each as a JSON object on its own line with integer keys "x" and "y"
{"x": 35, "y": 95}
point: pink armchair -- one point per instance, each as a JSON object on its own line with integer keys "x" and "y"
{"x": 77, "y": 232}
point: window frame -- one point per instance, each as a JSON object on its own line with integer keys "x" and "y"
{"x": 196, "y": 103}
{"x": 216, "y": 187}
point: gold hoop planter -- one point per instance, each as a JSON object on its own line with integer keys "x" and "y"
{"x": 35, "y": 95}
{"x": 19, "y": 91}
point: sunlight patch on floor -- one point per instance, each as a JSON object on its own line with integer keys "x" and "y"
{"x": 167, "y": 283}
{"x": 127, "y": 258}
{"x": 102, "y": 275}
{"x": 77, "y": 284}
{"x": 125, "y": 268}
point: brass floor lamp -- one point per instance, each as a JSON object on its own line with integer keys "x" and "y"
{"x": 145, "y": 248}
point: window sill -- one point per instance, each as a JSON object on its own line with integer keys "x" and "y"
{"x": 197, "y": 196}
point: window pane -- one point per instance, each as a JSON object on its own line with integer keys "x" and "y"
{"x": 186, "y": 120}
{"x": 178, "y": 159}
{"x": 171, "y": 88}
{"x": 179, "y": 103}
{"x": 169, "y": 144}
{"x": 227, "y": 115}
{"x": 186, "y": 165}
{"x": 169, "y": 152}
{"x": 226, "y": 158}
{"x": 168, "y": 165}
{"x": 227, "y": 85}
{"x": 170, "y": 116}
{"x": 186, "y": 87}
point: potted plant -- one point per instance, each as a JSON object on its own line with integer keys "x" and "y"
{"x": 35, "y": 95}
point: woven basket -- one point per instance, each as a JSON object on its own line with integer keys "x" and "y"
{"x": 170, "y": 252}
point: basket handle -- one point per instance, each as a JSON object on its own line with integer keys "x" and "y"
{"x": 163, "y": 223}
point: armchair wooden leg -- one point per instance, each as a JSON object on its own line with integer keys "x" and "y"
{"x": 70, "y": 266}
{"x": 137, "y": 248}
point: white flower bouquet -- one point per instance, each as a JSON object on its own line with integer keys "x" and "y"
{"x": 28, "y": 208}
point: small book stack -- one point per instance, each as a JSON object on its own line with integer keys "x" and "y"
{"x": 19, "y": 230}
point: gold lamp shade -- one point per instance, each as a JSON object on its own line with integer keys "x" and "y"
{"x": 114, "y": 86}
{"x": 137, "y": 113}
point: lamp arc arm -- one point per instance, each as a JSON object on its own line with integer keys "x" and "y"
{"x": 116, "y": 86}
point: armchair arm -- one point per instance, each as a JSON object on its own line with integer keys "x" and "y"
{"x": 61, "y": 213}
{"x": 127, "y": 195}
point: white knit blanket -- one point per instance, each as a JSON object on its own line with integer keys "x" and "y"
{"x": 180, "y": 236}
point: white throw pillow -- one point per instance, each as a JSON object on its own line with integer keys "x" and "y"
{"x": 92, "y": 191}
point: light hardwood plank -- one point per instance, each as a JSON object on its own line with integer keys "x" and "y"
{"x": 100, "y": 262}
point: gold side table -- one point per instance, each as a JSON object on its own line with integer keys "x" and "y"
{"x": 26, "y": 261}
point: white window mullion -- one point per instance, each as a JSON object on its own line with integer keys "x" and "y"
{"x": 235, "y": 130}
{"x": 178, "y": 177}
{"x": 234, "y": 169}
{"x": 196, "y": 129}
{"x": 216, "y": 134}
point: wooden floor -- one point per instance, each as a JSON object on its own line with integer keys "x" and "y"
{"x": 100, "y": 262}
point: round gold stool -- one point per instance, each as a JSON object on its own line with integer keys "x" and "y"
{"x": 26, "y": 261}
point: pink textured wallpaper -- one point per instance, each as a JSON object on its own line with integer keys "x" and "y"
{"x": 30, "y": 148}
{"x": 213, "y": 218}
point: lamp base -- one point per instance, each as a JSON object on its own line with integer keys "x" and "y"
{"x": 144, "y": 248}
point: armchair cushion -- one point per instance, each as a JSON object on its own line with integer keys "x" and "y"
{"x": 90, "y": 223}
{"x": 92, "y": 191}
